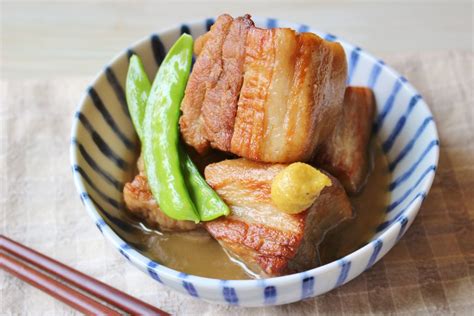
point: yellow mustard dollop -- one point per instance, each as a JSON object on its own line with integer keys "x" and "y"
{"x": 296, "y": 187}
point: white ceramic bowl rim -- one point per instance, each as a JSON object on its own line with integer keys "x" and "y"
{"x": 391, "y": 231}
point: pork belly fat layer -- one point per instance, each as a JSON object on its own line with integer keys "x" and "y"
{"x": 267, "y": 240}
{"x": 291, "y": 96}
{"x": 345, "y": 153}
{"x": 210, "y": 102}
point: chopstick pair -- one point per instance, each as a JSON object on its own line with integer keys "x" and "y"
{"x": 100, "y": 298}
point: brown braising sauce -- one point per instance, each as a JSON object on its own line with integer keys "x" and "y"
{"x": 369, "y": 207}
{"x": 197, "y": 253}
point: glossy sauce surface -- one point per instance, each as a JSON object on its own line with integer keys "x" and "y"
{"x": 197, "y": 253}
{"x": 369, "y": 207}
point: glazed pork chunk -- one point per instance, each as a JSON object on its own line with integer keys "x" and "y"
{"x": 291, "y": 96}
{"x": 345, "y": 152}
{"x": 210, "y": 102}
{"x": 268, "y": 241}
{"x": 266, "y": 95}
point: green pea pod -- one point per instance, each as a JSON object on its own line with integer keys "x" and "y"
{"x": 161, "y": 134}
{"x": 137, "y": 87}
{"x": 209, "y": 205}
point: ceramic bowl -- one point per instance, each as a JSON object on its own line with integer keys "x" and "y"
{"x": 103, "y": 152}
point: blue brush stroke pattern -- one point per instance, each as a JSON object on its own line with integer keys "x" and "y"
{"x": 396, "y": 217}
{"x": 101, "y": 144}
{"x": 329, "y": 37}
{"x": 123, "y": 250}
{"x": 388, "y": 104}
{"x": 113, "y": 219}
{"x": 377, "y": 247}
{"x": 93, "y": 164}
{"x": 345, "y": 268}
{"x": 99, "y": 105}
{"x": 271, "y": 23}
{"x": 407, "y": 193}
{"x": 375, "y": 73}
{"x": 130, "y": 53}
{"x": 270, "y": 294}
{"x": 118, "y": 90}
{"x": 303, "y": 28}
{"x": 307, "y": 287}
{"x": 151, "y": 271}
{"x": 354, "y": 59}
{"x": 400, "y": 214}
{"x": 229, "y": 294}
{"x": 409, "y": 146}
{"x": 388, "y": 143}
{"x": 159, "y": 51}
{"x": 188, "y": 286}
{"x": 209, "y": 23}
{"x": 403, "y": 223}
{"x": 409, "y": 172}
{"x": 185, "y": 29}
{"x": 91, "y": 183}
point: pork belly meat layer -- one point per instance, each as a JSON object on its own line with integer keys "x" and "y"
{"x": 140, "y": 202}
{"x": 268, "y": 241}
{"x": 345, "y": 152}
{"x": 210, "y": 102}
{"x": 291, "y": 96}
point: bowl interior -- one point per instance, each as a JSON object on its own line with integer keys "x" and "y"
{"x": 104, "y": 148}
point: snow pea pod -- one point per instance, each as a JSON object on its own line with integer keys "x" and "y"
{"x": 161, "y": 149}
{"x": 208, "y": 203}
{"x": 137, "y": 88}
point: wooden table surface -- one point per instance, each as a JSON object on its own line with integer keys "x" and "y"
{"x": 44, "y": 39}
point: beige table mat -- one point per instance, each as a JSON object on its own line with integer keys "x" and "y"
{"x": 431, "y": 270}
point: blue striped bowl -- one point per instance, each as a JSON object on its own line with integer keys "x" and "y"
{"x": 103, "y": 151}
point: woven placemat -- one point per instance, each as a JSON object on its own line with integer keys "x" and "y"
{"x": 431, "y": 269}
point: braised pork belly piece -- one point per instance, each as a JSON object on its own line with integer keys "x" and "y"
{"x": 220, "y": 105}
{"x": 345, "y": 153}
{"x": 269, "y": 95}
{"x": 140, "y": 202}
{"x": 210, "y": 102}
{"x": 291, "y": 97}
{"x": 269, "y": 241}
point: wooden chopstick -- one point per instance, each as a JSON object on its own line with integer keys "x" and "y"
{"x": 54, "y": 288}
{"x": 78, "y": 279}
